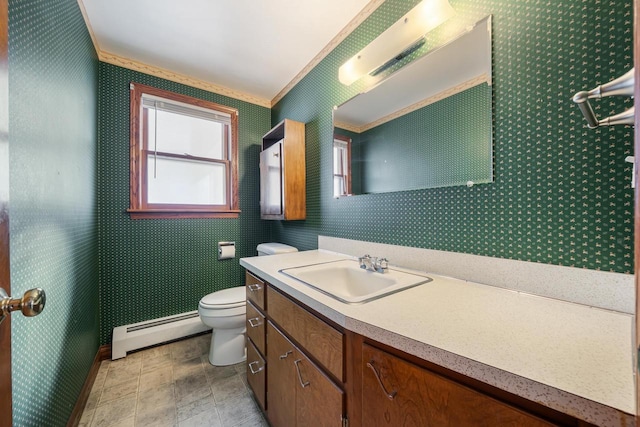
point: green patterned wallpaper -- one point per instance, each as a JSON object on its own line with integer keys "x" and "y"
{"x": 159, "y": 267}
{"x": 53, "y": 72}
{"x": 561, "y": 193}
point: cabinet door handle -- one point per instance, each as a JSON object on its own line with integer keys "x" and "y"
{"x": 284, "y": 356}
{"x": 255, "y": 371}
{"x": 389, "y": 395}
{"x": 302, "y": 383}
{"x": 254, "y": 322}
{"x": 254, "y": 287}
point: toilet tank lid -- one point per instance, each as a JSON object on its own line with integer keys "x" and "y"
{"x": 225, "y": 296}
{"x": 275, "y": 248}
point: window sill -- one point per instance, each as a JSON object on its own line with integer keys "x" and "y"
{"x": 182, "y": 213}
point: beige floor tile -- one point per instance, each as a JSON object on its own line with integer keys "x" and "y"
{"x": 241, "y": 367}
{"x": 127, "y": 422}
{"x": 117, "y": 391}
{"x": 85, "y": 419}
{"x": 119, "y": 374}
{"x": 156, "y": 398}
{"x": 94, "y": 398}
{"x": 187, "y": 349}
{"x": 159, "y": 361}
{"x": 114, "y": 411}
{"x": 205, "y": 404}
{"x": 217, "y": 372}
{"x": 130, "y": 360}
{"x": 237, "y": 410}
{"x": 171, "y": 385}
{"x": 156, "y": 378}
{"x": 257, "y": 420}
{"x": 228, "y": 388}
{"x": 191, "y": 388}
{"x": 188, "y": 368}
{"x": 204, "y": 419}
{"x": 162, "y": 416}
{"x": 154, "y": 352}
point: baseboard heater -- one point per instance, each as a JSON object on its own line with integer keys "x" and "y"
{"x": 145, "y": 334}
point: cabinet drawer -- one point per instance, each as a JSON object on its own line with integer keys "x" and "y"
{"x": 255, "y": 327}
{"x": 256, "y": 373}
{"x": 320, "y": 340}
{"x": 255, "y": 290}
{"x": 396, "y": 392}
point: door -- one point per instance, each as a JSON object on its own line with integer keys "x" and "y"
{"x": 313, "y": 386}
{"x": 281, "y": 386}
{"x": 5, "y": 328}
{"x": 271, "y": 180}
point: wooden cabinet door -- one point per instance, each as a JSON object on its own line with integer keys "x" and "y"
{"x": 281, "y": 386}
{"x": 398, "y": 393}
{"x": 319, "y": 402}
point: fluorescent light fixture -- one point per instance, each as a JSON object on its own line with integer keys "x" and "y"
{"x": 408, "y": 30}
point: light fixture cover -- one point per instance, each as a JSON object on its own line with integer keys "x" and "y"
{"x": 426, "y": 16}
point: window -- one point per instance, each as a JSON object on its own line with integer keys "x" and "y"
{"x": 183, "y": 156}
{"x": 341, "y": 166}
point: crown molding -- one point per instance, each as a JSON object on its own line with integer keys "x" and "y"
{"x": 131, "y": 64}
{"x": 152, "y": 70}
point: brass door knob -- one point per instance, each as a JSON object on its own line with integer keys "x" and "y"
{"x": 31, "y": 304}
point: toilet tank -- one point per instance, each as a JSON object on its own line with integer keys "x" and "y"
{"x": 274, "y": 249}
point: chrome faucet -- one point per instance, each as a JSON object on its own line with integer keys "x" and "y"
{"x": 370, "y": 263}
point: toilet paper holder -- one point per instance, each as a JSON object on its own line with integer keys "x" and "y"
{"x": 226, "y": 250}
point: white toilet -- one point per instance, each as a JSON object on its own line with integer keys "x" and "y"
{"x": 225, "y": 312}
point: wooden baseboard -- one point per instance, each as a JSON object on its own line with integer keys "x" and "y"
{"x": 103, "y": 353}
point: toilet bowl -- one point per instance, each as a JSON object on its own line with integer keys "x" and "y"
{"x": 225, "y": 312}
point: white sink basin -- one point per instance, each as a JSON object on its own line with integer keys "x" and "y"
{"x": 345, "y": 281}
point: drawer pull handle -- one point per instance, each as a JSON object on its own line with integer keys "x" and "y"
{"x": 254, "y": 322}
{"x": 302, "y": 383}
{"x": 389, "y": 395}
{"x": 254, "y": 287}
{"x": 284, "y": 356}
{"x": 255, "y": 371}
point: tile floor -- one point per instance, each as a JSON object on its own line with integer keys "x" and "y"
{"x": 171, "y": 385}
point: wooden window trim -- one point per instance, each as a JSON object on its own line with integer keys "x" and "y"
{"x": 137, "y": 179}
{"x": 348, "y": 141}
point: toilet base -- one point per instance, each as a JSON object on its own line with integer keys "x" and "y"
{"x": 227, "y": 346}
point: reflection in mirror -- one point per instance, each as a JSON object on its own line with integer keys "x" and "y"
{"x": 427, "y": 125}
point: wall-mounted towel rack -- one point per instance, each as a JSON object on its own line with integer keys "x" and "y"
{"x": 622, "y": 86}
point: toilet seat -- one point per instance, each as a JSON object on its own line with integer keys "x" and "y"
{"x": 224, "y": 299}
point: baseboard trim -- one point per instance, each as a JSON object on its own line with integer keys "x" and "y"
{"x": 103, "y": 353}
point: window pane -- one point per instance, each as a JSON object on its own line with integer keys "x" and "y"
{"x": 338, "y": 186}
{"x": 179, "y": 134}
{"x": 185, "y": 182}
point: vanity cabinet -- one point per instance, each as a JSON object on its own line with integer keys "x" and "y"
{"x": 304, "y": 370}
{"x": 283, "y": 172}
{"x": 396, "y": 392}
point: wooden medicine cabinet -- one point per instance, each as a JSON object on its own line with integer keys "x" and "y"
{"x": 282, "y": 172}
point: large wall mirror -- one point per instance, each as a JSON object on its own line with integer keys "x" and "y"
{"x": 427, "y": 125}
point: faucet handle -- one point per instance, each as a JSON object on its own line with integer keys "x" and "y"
{"x": 364, "y": 260}
{"x": 381, "y": 265}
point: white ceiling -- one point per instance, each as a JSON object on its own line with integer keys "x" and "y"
{"x": 252, "y": 47}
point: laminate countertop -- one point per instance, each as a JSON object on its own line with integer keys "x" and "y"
{"x": 570, "y": 357}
